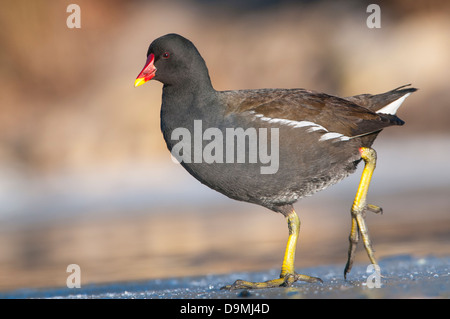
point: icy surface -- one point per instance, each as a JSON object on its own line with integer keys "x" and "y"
{"x": 402, "y": 277}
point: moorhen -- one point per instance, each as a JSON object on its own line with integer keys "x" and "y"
{"x": 269, "y": 147}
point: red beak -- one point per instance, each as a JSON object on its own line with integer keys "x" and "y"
{"x": 148, "y": 72}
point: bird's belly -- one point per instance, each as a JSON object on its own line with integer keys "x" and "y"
{"x": 292, "y": 181}
{"x": 279, "y": 167}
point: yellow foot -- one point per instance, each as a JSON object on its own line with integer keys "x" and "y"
{"x": 285, "y": 281}
{"x": 288, "y": 275}
{"x": 359, "y": 209}
{"x": 358, "y": 224}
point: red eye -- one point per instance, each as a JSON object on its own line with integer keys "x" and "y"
{"x": 166, "y": 55}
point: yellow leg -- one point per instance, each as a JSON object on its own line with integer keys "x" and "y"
{"x": 288, "y": 274}
{"x": 359, "y": 208}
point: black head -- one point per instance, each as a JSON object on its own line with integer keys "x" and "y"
{"x": 174, "y": 60}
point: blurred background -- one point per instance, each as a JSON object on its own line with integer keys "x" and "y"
{"x": 85, "y": 176}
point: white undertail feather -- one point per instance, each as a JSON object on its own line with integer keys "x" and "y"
{"x": 392, "y": 107}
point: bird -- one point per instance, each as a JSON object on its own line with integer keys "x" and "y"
{"x": 316, "y": 140}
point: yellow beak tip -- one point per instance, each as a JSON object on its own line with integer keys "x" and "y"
{"x": 139, "y": 82}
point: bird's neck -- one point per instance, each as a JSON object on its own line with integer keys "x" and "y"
{"x": 188, "y": 94}
{"x": 184, "y": 103}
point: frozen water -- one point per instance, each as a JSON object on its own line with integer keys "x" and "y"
{"x": 402, "y": 276}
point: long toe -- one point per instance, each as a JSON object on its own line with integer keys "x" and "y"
{"x": 285, "y": 281}
{"x": 310, "y": 279}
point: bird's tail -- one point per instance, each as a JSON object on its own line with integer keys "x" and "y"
{"x": 385, "y": 103}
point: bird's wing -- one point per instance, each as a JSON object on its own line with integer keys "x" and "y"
{"x": 297, "y": 105}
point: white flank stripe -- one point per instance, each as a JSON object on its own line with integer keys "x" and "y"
{"x": 332, "y": 135}
{"x": 308, "y": 123}
{"x": 296, "y": 124}
{"x": 392, "y": 107}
